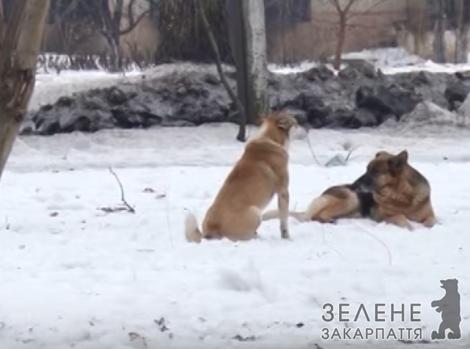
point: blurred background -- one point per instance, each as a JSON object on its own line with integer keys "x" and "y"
{"x": 152, "y": 31}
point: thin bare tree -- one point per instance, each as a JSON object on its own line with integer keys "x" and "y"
{"x": 346, "y": 10}
{"x": 218, "y": 61}
{"x": 20, "y": 40}
{"x": 115, "y": 19}
{"x": 440, "y": 24}
{"x": 462, "y": 31}
{"x": 63, "y": 15}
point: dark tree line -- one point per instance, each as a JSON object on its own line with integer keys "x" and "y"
{"x": 111, "y": 19}
{"x": 446, "y": 15}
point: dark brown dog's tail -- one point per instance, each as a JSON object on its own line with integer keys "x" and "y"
{"x": 192, "y": 232}
{"x": 312, "y": 212}
{"x": 273, "y": 214}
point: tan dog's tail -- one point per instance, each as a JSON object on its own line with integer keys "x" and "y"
{"x": 192, "y": 232}
{"x": 313, "y": 210}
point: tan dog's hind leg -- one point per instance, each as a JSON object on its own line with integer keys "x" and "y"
{"x": 243, "y": 225}
{"x": 283, "y": 205}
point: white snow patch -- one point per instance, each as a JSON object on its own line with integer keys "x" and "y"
{"x": 291, "y": 68}
{"x": 392, "y": 60}
{"x": 388, "y": 57}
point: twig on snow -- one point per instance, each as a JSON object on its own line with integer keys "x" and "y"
{"x": 128, "y": 207}
{"x": 311, "y": 150}
{"x": 372, "y": 235}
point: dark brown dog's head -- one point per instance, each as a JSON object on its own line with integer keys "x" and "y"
{"x": 277, "y": 126}
{"x": 386, "y": 169}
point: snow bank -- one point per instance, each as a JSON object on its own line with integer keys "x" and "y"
{"x": 388, "y": 57}
{"x": 292, "y": 68}
{"x": 50, "y": 86}
{"x": 392, "y": 60}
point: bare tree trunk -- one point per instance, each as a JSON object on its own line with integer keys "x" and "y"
{"x": 248, "y": 41}
{"x": 20, "y": 42}
{"x": 218, "y": 61}
{"x": 113, "y": 40}
{"x": 340, "y": 41}
{"x": 461, "y": 42}
{"x": 237, "y": 43}
{"x": 256, "y": 61}
{"x": 439, "y": 31}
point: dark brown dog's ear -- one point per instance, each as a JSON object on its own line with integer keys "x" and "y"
{"x": 380, "y": 153}
{"x": 398, "y": 162}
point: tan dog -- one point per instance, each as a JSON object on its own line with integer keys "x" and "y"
{"x": 391, "y": 190}
{"x": 260, "y": 173}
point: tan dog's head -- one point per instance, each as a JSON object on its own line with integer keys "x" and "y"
{"x": 387, "y": 169}
{"x": 277, "y": 127}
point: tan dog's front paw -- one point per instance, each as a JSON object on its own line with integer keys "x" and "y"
{"x": 285, "y": 234}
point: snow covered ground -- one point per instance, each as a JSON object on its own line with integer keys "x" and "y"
{"x": 75, "y": 276}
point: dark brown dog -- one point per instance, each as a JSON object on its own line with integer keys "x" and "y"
{"x": 391, "y": 190}
{"x": 400, "y": 192}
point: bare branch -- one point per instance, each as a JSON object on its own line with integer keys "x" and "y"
{"x": 123, "y": 197}
{"x": 130, "y": 11}
{"x": 134, "y": 23}
{"x": 311, "y": 150}
{"x": 218, "y": 60}
{"x": 348, "y": 6}
{"x": 366, "y": 11}
{"x": 336, "y": 4}
{"x": 2, "y": 23}
{"x": 70, "y": 8}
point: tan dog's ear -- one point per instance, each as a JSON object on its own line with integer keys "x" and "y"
{"x": 398, "y": 162}
{"x": 286, "y": 123}
{"x": 260, "y": 120}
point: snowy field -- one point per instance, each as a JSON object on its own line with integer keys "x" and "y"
{"x": 75, "y": 276}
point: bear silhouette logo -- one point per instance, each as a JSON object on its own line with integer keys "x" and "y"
{"x": 449, "y": 307}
